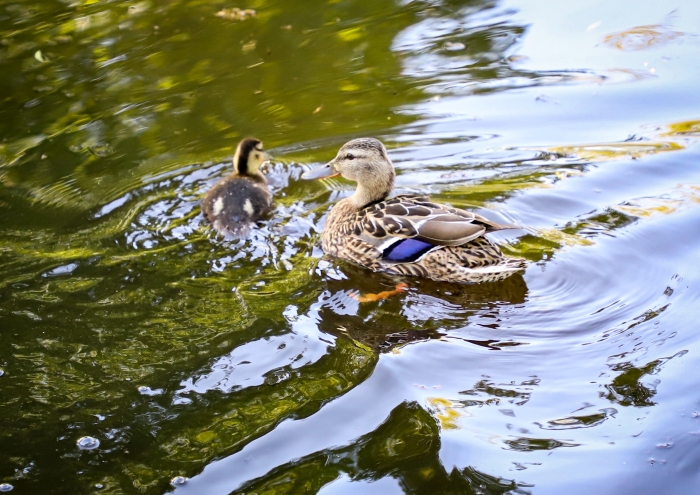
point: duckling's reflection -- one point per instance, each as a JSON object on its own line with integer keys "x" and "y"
{"x": 425, "y": 310}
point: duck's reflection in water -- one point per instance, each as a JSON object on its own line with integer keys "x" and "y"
{"x": 398, "y": 439}
{"x": 424, "y": 310}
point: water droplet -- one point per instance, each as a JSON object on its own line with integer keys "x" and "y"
{"x": 99, "y": 486}
{"x": 143, "y": 390}
{"x": 454, "y": 46}
{"x": 2, "y": 371}
{"x": 76, "y": 148}
{"x": 178, "y": 480}
{"x": 101, "y": 149}
{"x": 178, "y": 401}
{"x": 88, "y": 443}
{"x": 6, "y": 487}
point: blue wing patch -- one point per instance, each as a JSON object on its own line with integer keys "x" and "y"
{"x": 406, "y": 250}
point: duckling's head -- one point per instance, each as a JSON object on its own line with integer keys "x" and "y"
{"x": 364, "y": 161}
{"x": 249, "y": 157}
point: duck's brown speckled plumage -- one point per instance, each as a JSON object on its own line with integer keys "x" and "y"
{"x": 363, "y": 227}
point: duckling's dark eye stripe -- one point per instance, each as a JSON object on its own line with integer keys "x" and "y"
{"x": 247, "y": 146}
{"x": 242, "y": 164}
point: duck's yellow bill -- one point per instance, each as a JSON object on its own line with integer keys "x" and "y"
{"x": 324, "y": 172}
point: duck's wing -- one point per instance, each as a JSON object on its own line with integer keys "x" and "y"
{"x": 407, "y": 227}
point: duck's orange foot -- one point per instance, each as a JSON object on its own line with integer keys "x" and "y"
{"x": 402, "y": 287}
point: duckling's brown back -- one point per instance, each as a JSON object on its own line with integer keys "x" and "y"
{"x": 235, "y": 203}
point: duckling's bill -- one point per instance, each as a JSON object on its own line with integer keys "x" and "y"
{"x": 324, "y": 172}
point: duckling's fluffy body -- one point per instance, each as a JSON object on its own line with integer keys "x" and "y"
{"x": 241, "y": 198}
{"x": 406, "y": 235}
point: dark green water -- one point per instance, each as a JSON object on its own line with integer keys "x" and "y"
{"x": 245, "y": 366}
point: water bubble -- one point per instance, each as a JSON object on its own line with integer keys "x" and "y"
{"x": 178, "y": 400}
{"x": 6, "y": 487}
{"x": 454, "y": 46}
{"x": 99, "y": 486}
{"x": 101, "y": 149}
{"x": 88, "y": 443}
{"x": 2, "y": 371}
{"x": 63, "y": 38}
{"x": 143, "y": 390}
{"x": 178, "y": 480}
{"x": 61, "y": 270}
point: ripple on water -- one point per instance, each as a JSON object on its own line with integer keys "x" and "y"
{"x": 268, "y": 360}
{"x": 165, "y": 213}
{"x": 121, "y": 277}
{"x": 575, "y": 422}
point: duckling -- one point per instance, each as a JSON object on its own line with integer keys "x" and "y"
{"x": 241, "y": 198}
{"x": 409, "y": 234}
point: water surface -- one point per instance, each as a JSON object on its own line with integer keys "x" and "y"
{"x": 138, "y": 346}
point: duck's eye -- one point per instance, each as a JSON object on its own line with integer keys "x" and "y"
{"x": 350, "y": 156}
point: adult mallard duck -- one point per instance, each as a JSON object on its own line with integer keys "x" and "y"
{"x": 241, "y": 198}
{"x": 405, "y": 235}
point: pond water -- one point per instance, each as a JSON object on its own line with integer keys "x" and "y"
{"x": 140, "y": 352}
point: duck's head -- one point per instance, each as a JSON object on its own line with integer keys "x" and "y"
{"x": 249, "y": 157}
{"x": 364, "y": 161}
